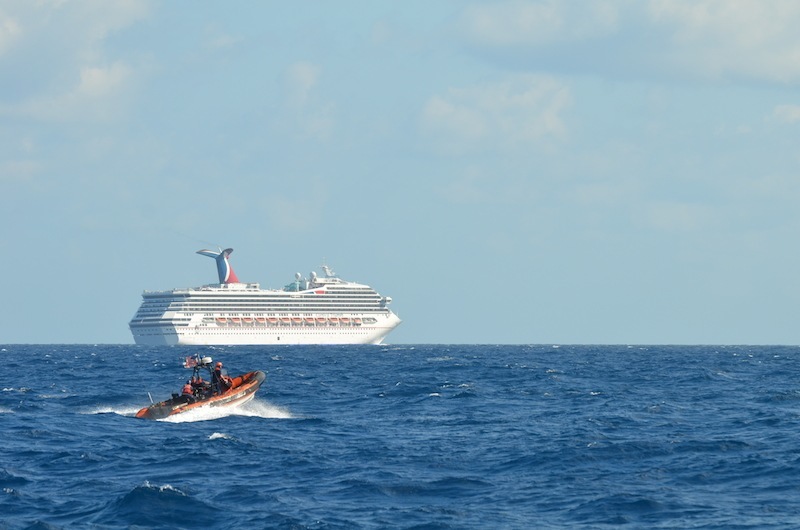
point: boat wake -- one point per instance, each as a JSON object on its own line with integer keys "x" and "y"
{"x": 122, "y": 411}
{"x": 254, "y": 408}
{"x": 263, "y": 409}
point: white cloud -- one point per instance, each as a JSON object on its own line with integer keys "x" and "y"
{"x": 677, "y": 216}
{"x": 99, "y": 82}
{"x": 93, "y": 21}
{"x": 224, "y": 41}
{"x": 10, "y": 32}
{"x": 716, "y": 38}
{"x": 769, "y": 188}
{"x": 535, "y": 23}
{"x": 296, "y": 215}
{"x": 312, "y": 116}
{"x": 519, "y": 112}
{"x": 67, "y": 73}
{"x": 19, "y": 170}
{"x": 787, "y": 113}
{"x": 301, "y": 78}
{"x": 96, "y": 96}
{"x": 701, "y": 39}
{"x": 78, "y": 29}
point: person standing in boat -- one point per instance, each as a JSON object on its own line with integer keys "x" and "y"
{"x": 220, "y": 382}
{"x": 200, "y": 387}
{"x": 188, "y": 392}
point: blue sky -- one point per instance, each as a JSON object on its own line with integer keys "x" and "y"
{"x": 508, "y": 172}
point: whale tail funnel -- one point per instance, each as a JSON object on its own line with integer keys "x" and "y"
{"x": 224, "y": 269}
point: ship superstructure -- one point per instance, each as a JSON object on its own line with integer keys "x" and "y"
{"x": 314, "y": 310}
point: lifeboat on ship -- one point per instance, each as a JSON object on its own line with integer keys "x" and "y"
{"x": 218, "y": 391}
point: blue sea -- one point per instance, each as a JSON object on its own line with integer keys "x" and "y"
{"x": 406, "y": 437}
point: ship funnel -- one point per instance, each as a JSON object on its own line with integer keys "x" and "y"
{"x": 224, "y": 269}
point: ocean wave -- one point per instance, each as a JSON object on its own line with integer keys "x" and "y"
{"x": 154, "y": 506}
{"x": 8, "y": 479}
{"x": 488, "y": 437}
{"x": 620, "y": 509}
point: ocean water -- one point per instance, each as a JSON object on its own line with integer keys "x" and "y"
{"x": 422, "y": 437}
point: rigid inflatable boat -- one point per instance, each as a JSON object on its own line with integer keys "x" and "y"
{"x": 218, "y": 391}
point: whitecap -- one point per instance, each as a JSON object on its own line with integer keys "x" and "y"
{"x": 220, "y": 436}
{"x": 165, "y": 487}
{"x": 54, "y": 396}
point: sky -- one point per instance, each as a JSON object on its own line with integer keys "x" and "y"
{"x": 509, "y": 172}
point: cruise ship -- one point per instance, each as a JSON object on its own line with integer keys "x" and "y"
{"x": 316, "y": 310}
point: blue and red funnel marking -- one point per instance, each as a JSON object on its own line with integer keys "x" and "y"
{"x": 224, "y": 269}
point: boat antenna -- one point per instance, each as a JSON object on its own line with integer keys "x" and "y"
{"x": 327, "y": 270}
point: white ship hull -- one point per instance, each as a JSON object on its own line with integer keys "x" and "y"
{"x": 257, "y": 334}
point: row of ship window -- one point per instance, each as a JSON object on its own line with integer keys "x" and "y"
{"x": 275, "y": 308}
{"x": 316, "y": 300}
{"x": 240, "y": 331}
{"x": 261, "y": 307}
{"x": 271, "y": 310}
{"x": 283, "y": 296}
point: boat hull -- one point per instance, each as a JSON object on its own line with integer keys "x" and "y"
{"x": 256, "y": 334}
{"x": 242, "y": 390}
